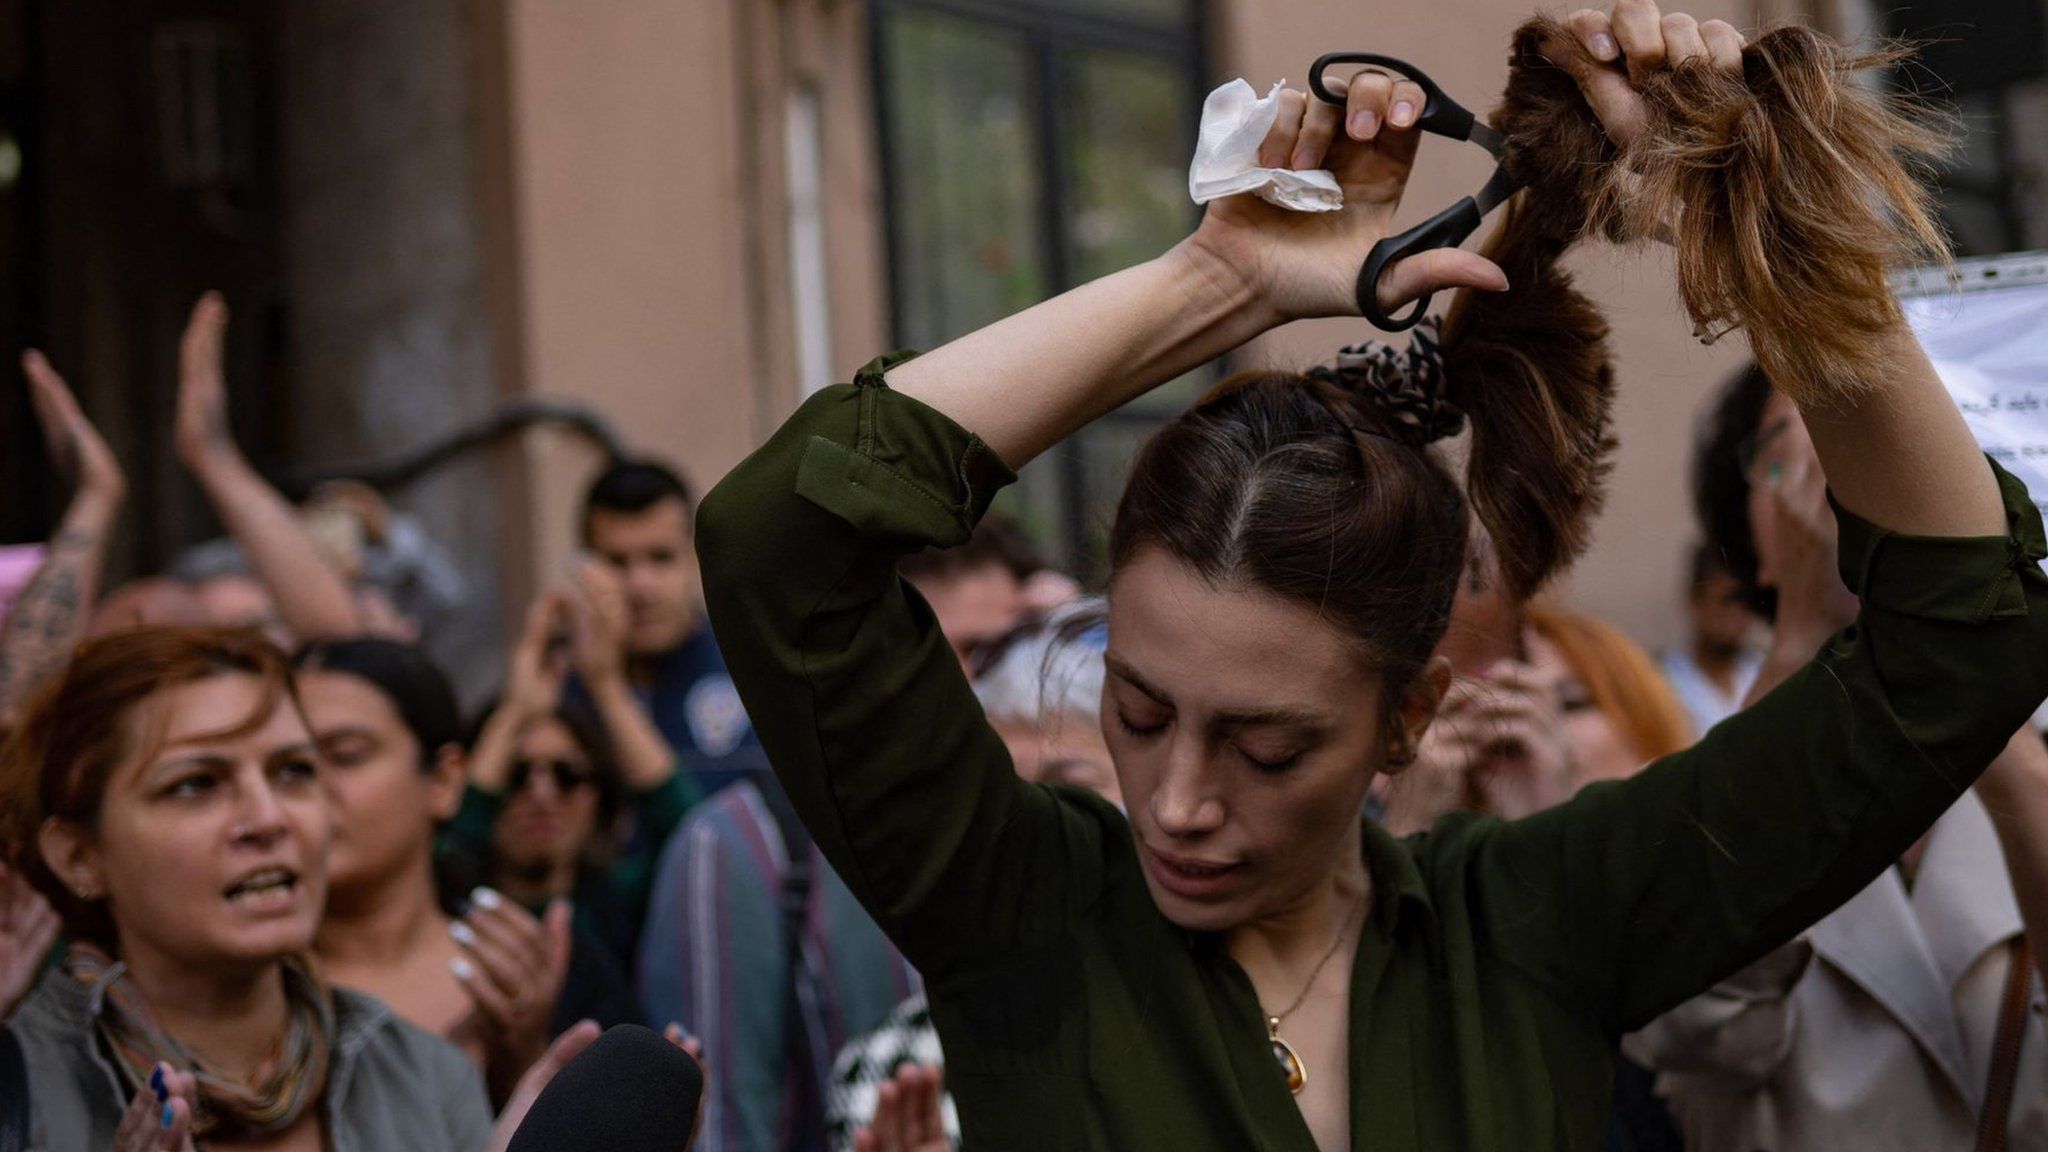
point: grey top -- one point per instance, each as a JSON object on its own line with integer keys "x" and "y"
{"x": 391, "y": 1087}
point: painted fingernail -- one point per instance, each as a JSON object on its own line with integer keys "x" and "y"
{"x": 167, "y": 1116}
{"x": 486, "y": 899}
{"x": 463, "y": 933}
{"x": 462, "y": 969}
{"x": 156, "y": 1084}
{"x": 1364, "y": 124}
{"x": 1603, "y": 47}
{"x": 1403, "y": 113}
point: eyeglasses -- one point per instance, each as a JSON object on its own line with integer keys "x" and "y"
{"x": 1760, "y": 467}
{"x": 568, "y": 775}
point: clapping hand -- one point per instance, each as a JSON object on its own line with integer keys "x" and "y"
{"x": 907, "y": 1114}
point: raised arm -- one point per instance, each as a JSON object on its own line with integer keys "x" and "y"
{"x": 312, "y": 598}
{"x": 1712, "y": 857}
{"x": 50, "y": 614}
{"x": 596, "y": 603}
{"x": 2015, "y": 791}
{"x": 1024, "y": 383}
{"x": 858, "y": 699}
{"x": 1896, "y": 451}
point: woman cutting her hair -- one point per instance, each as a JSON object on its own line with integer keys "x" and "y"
{"x": 1243, "y": 962}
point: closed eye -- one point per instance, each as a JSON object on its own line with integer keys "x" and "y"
{"x": 1271, "y": 766}
{"x": 1124, "y": 722}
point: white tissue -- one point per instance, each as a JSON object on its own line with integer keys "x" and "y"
{"x": 1234, "y": 121}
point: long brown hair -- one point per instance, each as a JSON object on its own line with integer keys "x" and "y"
{"x": 57, "y": 763}
{"x": 1793, "y": 190}
{"x": 1789, "y": 190}
{"x": 1317, "y": 493}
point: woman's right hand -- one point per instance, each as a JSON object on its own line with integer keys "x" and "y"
{"x": 1629, "y": 43}
{"x": 513, "y": 966}
{"x": 201, "y": 432}
{"x": 1302, "y": 264}
{"x": 159, "y": 1118}
{"x": 540, "y": 661}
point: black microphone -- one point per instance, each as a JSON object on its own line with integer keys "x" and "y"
{"x": 630, "y": 1091}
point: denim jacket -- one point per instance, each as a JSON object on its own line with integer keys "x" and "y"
{"x": 391, "y": 1087}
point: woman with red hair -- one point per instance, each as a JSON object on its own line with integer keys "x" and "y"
{"x": 164, "y": 794}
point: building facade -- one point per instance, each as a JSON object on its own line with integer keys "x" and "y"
{"x": 688, "y": 214}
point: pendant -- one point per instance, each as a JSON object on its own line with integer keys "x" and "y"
{"x": 1290, "y": 1061}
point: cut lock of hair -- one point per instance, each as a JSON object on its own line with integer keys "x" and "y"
{"x": 1791, "y": 190}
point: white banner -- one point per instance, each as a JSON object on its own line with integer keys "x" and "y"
{"x": 1987, "y": 334}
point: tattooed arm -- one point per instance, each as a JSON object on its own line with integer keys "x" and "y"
{"x": 50, "y": 613}
{"x": 313, "y": 599}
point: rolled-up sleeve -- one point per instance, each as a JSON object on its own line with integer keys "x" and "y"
{"x": 857, "y": 697}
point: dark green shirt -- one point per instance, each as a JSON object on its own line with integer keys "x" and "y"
{"x": 1502, "y": 959}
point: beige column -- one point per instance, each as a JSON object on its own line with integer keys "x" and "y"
{"x": 640, "y": 250}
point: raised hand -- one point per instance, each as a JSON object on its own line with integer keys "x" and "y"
{"x": 513, "y": 967}
{"x": 597, "y": 609}
{"x": 1525, "y": 757}
{"x": 202, "y": 433}
{"x": 1306, "y": 263}
{"x": 1628, "y": 45}
{"x": 907, "y": 1114}
{"x": 540, "y": 661}
{"x": 77, "y": 451}
{"x": 50, "y": 613}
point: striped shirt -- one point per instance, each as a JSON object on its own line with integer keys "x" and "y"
{"x": 713, "y": 956}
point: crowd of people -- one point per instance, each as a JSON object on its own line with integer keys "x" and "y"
{"x": 1317, "y": 826}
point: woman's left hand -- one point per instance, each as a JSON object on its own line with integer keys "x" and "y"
{"x": 159, "y": 1117}
{"x": 513, "y": 966}
{"x": 1306, "y": 263}
{"x": 1627, "y": 45}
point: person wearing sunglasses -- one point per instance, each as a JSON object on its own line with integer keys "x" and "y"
{"x": 462, "y": 961}
{"x": 566, "y": 800}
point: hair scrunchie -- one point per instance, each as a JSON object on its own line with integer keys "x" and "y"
{"x": 1406, "y": 384}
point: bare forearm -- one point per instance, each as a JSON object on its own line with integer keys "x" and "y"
{"x": 1901, "y": 456}
{"x": 2015, "y": 791}
{"x": 50, "y": 615}
{"x": 312, "y": 598}
{"x": 490, "y": 762}
{"x": 645, "y": 759}
{"x": 1022, "y": 384}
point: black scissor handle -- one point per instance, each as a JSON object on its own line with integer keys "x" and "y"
{"x": 1440, "y": 114}
{"x": 1446, "y": 229}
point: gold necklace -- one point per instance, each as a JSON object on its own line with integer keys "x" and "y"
{"x": 1290, "y": 1060}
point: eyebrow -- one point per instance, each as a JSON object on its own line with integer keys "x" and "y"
{"x": 215, "y": 760}
{"x": 1230, "y": 717}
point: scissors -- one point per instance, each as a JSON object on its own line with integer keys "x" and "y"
{"x": 1448, "y": 228}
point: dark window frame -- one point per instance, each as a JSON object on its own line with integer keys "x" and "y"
{"x": 1047, "y": 29}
